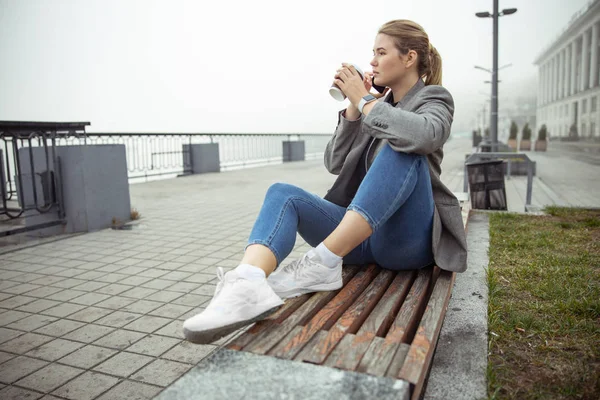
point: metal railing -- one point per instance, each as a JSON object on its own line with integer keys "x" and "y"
{"x": 30, "y": 172}
{"x": 30, "y": 169}
{"x": 153, "y": 155}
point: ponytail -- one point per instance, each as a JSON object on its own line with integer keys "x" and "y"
{"x": 434, "y": 75}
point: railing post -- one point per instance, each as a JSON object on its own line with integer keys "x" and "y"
{"x": 529, "y": 181}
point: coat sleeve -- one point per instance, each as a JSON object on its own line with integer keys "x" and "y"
{"x": 423, "y": 131}
{"x": 340, "y": 144}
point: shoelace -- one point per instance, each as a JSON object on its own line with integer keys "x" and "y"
{"x": 220, "y": 284}
{"x": 294, "y": 267}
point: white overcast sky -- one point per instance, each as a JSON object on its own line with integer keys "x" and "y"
{"x": 240, "y": 65}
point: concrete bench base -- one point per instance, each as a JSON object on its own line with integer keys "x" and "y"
{"x": 228, "y": 374}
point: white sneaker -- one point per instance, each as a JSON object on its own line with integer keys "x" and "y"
{"x": 305, "y": 275}
{"x": 237, "y": 302}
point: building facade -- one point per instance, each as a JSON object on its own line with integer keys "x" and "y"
{"x": 569, "y": 78}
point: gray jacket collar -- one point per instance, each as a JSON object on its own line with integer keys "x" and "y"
{"x": 409, "y": 95}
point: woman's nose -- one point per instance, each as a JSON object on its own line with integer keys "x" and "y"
{"x": 373, "y": 62}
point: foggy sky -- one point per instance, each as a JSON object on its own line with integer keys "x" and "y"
{"x": 241, "y": 66}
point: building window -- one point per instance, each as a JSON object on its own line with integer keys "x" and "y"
{"x": 594, "y": 104}
{"x": 584, "y": 106}
{"x": 593, "y": 129}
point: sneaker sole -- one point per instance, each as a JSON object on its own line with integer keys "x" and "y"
{"x": 288, "y": 294}
{"x": 209, "y": 336}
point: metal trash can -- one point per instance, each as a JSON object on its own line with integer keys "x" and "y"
{"x": 486, "y": 185}
{"x": 485, "y": 147}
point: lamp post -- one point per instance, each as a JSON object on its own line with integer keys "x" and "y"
{"x": 494, "y": 112}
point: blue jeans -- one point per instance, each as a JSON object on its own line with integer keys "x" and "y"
{"x": 395, "y": 198}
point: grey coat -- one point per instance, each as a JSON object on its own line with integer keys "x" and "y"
{"x": 420, "y": 123}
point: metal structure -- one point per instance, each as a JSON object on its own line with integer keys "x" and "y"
{"x": 509, "y": 158}
{"x": 30, "y": 169}
{"x": 152, "y": 155}
{"x": 22, "y": 172}
{"x": 494, "y": 111}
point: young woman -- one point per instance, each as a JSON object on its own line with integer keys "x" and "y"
{"x": 387, "y": 206}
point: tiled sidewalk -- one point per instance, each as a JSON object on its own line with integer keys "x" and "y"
{"x": 99, "y": 315}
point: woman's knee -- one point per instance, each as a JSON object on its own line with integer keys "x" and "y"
{"x": 387, "y": 150}
{"x": 389, "y": 161}
{"x": 284, "y": 191}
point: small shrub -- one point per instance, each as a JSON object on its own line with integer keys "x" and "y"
{"x": 542, "y": 133}
{"x": 135, "y": 214}
{"x": 526, "y": 133}
{"x": 513, "y": 131}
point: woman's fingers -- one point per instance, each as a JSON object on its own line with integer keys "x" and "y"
{"x": 350, "y": 68}
{"x": 339, "y": 83}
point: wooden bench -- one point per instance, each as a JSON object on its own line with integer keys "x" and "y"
{"x": 380, "y": 322}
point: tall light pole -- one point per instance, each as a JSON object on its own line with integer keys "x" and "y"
{"x": 494, "y": 112}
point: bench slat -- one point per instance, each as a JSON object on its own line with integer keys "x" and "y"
{"x": 350, "y": 321}
{"x": 348, "y": 353}
{"x": 419, "y": 356}
{"x": 278, "y": 316}
{"x": 397, "y": 361}
{"x": 272, "y": 334}
{"x": 409, "y": 315}
{"x": 328, "y": 314}
{"x": 379, "y": 355}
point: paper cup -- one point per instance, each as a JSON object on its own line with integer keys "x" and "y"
{"x": 335, "y": 91}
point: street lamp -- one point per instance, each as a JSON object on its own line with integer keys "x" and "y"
{"x": 489, "y": 70}
{"x": 494, "y": 112}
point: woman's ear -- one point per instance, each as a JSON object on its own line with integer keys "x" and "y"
{"x": 410, "y": 58}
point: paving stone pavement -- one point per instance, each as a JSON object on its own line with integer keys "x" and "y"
{"x": 98, "y": 315}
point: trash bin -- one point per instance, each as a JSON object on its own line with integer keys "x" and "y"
{"x": 486, "y": 185}
{"x": 485, "y": 147}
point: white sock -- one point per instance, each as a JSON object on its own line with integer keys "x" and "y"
{"x": 250, "y": 272}
{"x": 328, "y": 258}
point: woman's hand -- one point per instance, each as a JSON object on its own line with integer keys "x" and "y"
{"x": 369, "y": 84}
{"x": 349, "y": 82}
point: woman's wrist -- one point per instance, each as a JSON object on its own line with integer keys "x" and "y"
{"x": 351, "y": 113}
{"x": 368, "y": 107}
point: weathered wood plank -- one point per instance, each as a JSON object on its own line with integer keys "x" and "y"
{"x": 378, "y": 356}
{"x": 348, "y": 353}
{"x": 409, "y": 315}
{"x": 346, "y": 345}
{"x": 272, "y": 334}
{"x": 397, "y": 361}
{"x": 421, "y": 350}
{"x": 350, "y": 321}
{"x": 278, "y": 316}
{"x": 243, "y": 340}
{"x": 330, "y": 312}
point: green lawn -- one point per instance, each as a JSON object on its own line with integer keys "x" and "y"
{"x": 544, "y": 305}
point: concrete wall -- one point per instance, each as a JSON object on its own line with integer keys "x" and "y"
{"x": 293, "y": 151}
{"x": 94, "y": 185}
{"x": 202, "y": 157}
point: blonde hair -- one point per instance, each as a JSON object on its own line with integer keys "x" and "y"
{"x": 409, "y": 35}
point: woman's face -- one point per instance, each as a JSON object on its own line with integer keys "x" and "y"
{"x": 388, "y": 65}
